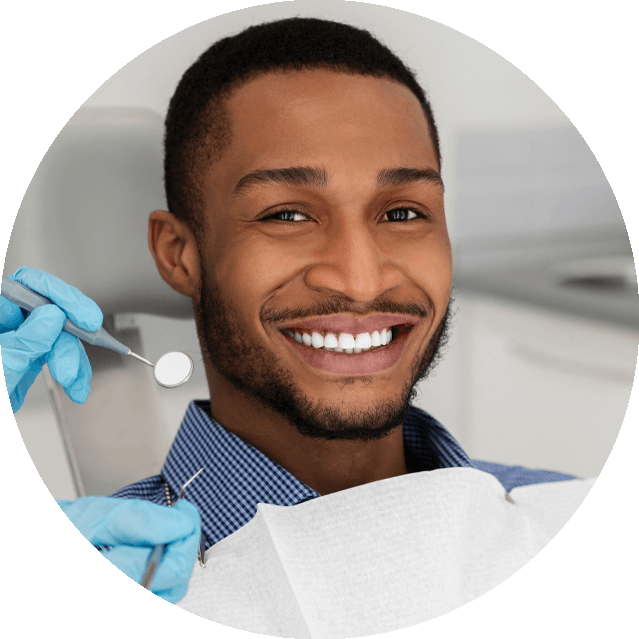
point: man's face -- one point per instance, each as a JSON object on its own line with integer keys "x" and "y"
{"x": 325, "y": 218}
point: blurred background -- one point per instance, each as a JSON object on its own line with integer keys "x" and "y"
{"x": 542, "y": 357}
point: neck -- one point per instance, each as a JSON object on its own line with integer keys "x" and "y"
{"x": 326, "y": 466}
{"x": 331, "y": 466}
{"x": 340, "y": 465}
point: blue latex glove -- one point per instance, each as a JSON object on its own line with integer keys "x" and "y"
{"x": 133, "y": 527}
{"x": 27, "y": 344}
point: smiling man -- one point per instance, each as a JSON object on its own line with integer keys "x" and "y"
{"x": 306, "y": 222}
{"x": 320, "y": 272}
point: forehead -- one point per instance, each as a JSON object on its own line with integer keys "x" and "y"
{"x": 325, "y": 118}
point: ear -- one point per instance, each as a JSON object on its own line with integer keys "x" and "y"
{"x": 174, "y": 250}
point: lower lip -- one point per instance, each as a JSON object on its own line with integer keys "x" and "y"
{"x": 373, "y": 361}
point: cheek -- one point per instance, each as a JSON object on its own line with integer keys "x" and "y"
{"x": 429, "y": 266}
{"x": 251, "y": 272}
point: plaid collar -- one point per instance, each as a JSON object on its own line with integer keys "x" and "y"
{"x": 237, "y": 477}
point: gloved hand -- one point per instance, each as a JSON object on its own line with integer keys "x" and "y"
{"x": 27, "y": 344}
{"x": 133, "y": 527}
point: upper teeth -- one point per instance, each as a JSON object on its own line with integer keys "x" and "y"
{"x": 344, "y": 342}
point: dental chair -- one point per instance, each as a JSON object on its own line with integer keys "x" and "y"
{"x": 84, "y": 219}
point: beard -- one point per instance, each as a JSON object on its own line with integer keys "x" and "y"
{"x": 258, "y": 372}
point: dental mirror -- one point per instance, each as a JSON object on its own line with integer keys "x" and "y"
{"x": 173, "y": 369}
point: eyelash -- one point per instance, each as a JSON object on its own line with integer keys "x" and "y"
{"x": 273, "y": 216}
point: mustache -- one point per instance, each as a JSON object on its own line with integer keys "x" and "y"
{"x": 337, "y": 305}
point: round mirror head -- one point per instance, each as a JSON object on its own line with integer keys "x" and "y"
{"x": 173, "y": 369}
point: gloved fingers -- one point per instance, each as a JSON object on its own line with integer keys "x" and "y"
{"x": 177, "y": 563}
{"x": 189, "y": 510}
{"x": 131, "y": 560}
{"x": 24, "y": 382}
{"x": 79, "y": 390}
{"x": 109, "y": 521}
{"x": 132, "y": 527}
{"x": 33, "y": 339}
{"x": 171, "y": 578}
{"x": 69, "y": 366}
{"x": 78, "y": 307}
{"x": 10, "y": 315}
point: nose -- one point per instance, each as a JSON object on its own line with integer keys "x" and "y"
{"x": 353, "y": 263}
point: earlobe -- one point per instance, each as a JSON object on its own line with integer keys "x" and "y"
{"x": 174, "y": 250}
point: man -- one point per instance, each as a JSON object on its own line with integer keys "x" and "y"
{"x": 306, "y": 223}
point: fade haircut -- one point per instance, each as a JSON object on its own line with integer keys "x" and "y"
{"x": 197, "y": 126}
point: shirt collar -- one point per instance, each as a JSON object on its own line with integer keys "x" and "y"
{"x": 237, "y": 477}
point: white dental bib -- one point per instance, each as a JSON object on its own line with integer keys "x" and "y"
{"x": 377, "y": 557}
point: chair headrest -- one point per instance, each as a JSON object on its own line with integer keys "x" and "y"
{"x": 84, "y": 215}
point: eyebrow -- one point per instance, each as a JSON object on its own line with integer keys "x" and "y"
{"x": 401, "y": 176}
{"x": 317, "y": 177}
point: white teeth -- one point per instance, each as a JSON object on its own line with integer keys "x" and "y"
{"x": 363, "y": 340}
{"x": 344, "y": 342}
{"x": 330, "y": 341}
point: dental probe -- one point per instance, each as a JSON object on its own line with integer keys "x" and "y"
{"x": 171, "y": 370}
{"x": 158, "y": 551}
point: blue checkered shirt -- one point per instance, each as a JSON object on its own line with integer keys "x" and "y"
{"x": 237, "y": 477}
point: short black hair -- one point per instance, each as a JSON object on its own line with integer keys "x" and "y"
{"x": 197, "y": 127}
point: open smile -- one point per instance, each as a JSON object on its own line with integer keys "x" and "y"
{"x": 348, "y": 354}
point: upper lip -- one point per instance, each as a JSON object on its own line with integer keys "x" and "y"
{"x": 350, "y": 324}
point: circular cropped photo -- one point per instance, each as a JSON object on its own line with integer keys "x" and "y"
{"x": 319, "y": 323}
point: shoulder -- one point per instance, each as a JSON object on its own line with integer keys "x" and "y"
{"x": 515, "y": 476}
{"x": 434, "y": 445}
